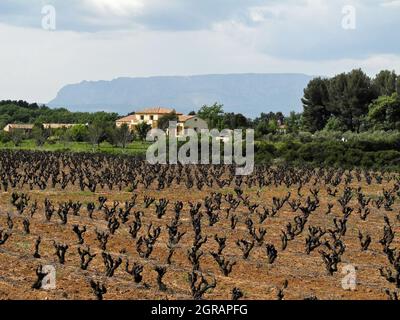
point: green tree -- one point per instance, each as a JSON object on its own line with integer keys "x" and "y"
{"x": 4, "y": 136}
{"x": 40, "y": 134}
{"x": 123, "y": 135}
{"x": 335, "y": 124}
{"x": 78, "y": 133}
{"x": 163, "y": 122}
{"x": 385, "y": 82}
{"x": 345, "y": 96}
{"x": 235, "y": 121}
{"x": 24, "y": 112}
{"x": 95, "y": 133}
{"x": 349, "y": 97}
{"x": 293, "y": 122}
{"x": 398, "y": 85}
{"x": 266, "y": 127}
{"x": 384, "y": 112}
{"x": 266, "y": 117}
{"x": 261, "y": 129}
{"x": 272, "y": 126}
{"x": 142, "y": 129}
{"x": 315, "y": 101}
{"x": 16, "y": 137}
{"x": 66, "y": 137}
{"x": 212, "y": 114}
{"x": 5, "y": 119}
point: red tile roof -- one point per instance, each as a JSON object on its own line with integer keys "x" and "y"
{"x": 157, "y": 110}
{"x": 184, "y": 118}
{"x": 127, "y": 119}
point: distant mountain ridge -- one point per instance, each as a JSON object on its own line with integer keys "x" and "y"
{"x": 249, "y": 94}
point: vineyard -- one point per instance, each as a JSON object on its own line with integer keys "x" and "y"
{"x": 115, "y": 227}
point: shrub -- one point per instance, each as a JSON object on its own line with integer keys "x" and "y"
{"x": 78, "y": 133}
{"x": 4, "y": 137}
{"x": 265, "y": 147}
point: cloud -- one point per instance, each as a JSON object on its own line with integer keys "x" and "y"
{"x": 105, "y": 39}
{"x": 391, "y": 3}
{"x": 99, "y": 15}
{"x": 306, "y": 29}
{"x": 38, "y": 63}
{"x": 312, "y": 30}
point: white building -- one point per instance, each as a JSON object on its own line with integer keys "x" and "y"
{"x": 151, "y": 116}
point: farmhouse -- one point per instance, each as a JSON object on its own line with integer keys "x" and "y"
{"x": 151, "y": 116}
{"x": 18, "y": 127}
{"x": 28, "y": 127}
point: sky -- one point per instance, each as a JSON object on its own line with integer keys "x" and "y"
{"x": 46, "y": 44}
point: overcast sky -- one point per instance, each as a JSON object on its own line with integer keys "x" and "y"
{"x": 107, "y": 39}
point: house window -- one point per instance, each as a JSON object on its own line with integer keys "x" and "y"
{"x": 195, "y": 119}
{"x": 141, "y": 117}
{"x": 152, "y": 118}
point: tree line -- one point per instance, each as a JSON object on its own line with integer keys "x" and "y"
{"x": 348, "y": 120}
{"x": 12, "y": 111}
{"x": 94, "y": 134}
{"x": 352, "y": 102}
{"x": 346, "y": 102}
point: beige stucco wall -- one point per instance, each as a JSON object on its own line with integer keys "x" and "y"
{"x": 193, "y": 123}
{"x": 139, "y": 118}
{"x": 147, "y": 117}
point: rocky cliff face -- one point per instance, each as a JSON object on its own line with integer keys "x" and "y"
{"x": 249, "y": 94}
